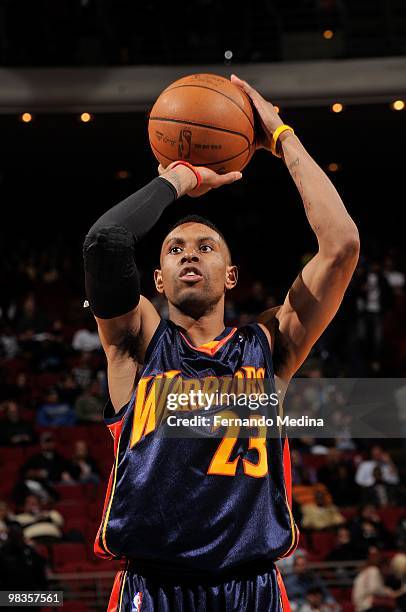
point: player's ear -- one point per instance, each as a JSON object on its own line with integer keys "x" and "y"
{"x": 158, "y": 280}
{"x": 231, "y": 277}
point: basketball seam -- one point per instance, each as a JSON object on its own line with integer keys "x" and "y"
{"x": 209, "y": 127}
{"x": 219, "y": 92}
{"x": 203, "y": 164}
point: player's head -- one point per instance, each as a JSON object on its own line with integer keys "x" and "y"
{"x": 195, "y": 266}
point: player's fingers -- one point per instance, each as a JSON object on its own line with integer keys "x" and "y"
{"x": 161, "y": 169}
{"x": 250, "y": 91}
{"x": 226, "y": 179}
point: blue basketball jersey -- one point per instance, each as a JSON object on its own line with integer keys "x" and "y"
{"x": 201, "y": 504}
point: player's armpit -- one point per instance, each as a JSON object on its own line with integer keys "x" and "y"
{"x": 279, "y": 348}
{"x": 129, "y": 334}
{"x": 125, "y": 340}
{"x": 309, "y": 306}
{"x": 280, "y": 354}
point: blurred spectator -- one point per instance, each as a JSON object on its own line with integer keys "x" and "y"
{"x": 342, "y": 423}
{"x": 401, "y": 535}
{"x": 84, "y": 467}
{"x": 345, "y": 549}
{"x": 14, "y": 430}
{"x": 38, "y": 524}
{"x": 315, "y": 601}
{"x": 31, "y": 482}
{"x": 68, "y": 388}
{"x": 48, "y": 464}
{"x": 377, "y": 299}
{"x": 8, "y": 343}
{"x": 83, "y": 372}
{"x": 256, "y": 300}
{"x": 364, "y": 476}
{"x": 301, "y": 580}
{"x": 301, "y": 474}
{"x": 367, "y": 529}
{"x": 321, "y": 514}
{"x": 89, "y": 406}
{"x": 394, "y": 277}
{"x": 6, "y": 519}
{"x": 380, "y": 493}
{"x": 338, "y": 476}
{"x": 20, "y": 564}
{"x": 369, "y": 590}
{"x": 286, "y": 564}
{"x": 86, "y": 338}
{"x": 396, "y": 579}
{"x": 54, "y": 413}
{"x": 306, "y": 493}
{"x": 20, "y": 389}
{"x": 53, "y": 348}
{"x": 29, "y": 321}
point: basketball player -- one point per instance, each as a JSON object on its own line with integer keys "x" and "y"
{"x": 200, "y": 522}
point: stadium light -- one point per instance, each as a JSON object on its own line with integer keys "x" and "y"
{"x": 334, "y": 167}
{"x": 337, "y": 107}
{"x": 86, "y": 117}
{"x": 398, "y": 105}
{"x": 328, "y": 34}
{"x": 26, "y": 117}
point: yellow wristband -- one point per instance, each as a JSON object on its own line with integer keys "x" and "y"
{"x": 276, "y": 134}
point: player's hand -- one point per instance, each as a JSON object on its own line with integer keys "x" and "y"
{"x": 269, "y": 119}
{"x": 187, "y": 179}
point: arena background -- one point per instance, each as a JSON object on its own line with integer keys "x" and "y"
{"x": 59, "y": 172}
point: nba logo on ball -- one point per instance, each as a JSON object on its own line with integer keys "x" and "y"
{"x": 136, "y": 607}
{"x": 185, "y": 142}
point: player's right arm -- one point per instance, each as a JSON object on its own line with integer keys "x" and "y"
{"x": 126, "y": 320}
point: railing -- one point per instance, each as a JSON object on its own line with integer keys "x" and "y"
{"x": 93, "y": 588}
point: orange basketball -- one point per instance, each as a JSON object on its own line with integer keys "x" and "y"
{"x": 205, "y": 120}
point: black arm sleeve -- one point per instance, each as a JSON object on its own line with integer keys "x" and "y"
{"x": 111, "y": 275}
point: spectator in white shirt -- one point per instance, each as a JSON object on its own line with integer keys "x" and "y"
{"x": 86, "y": 338}
{"x": 364, "y": 476}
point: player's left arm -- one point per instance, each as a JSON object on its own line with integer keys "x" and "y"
{"x": 318, "y": 290}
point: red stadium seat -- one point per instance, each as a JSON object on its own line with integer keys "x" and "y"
{"x": 322, "y": 542}
{"x": 71, "y": 434}
{"x": 348, "y": 513}
{"x": 66, "y": 554}
{"x": 71, "y": 492}
{"x": 391, "y": 516}
{"x": 95, "y": 510}
{"x": 80, "y": 524}
{"x": 46, "y": 380}
{"x": 314, "y": 461}
{"x": 9, "y": 477}
{"x": 42, "y": 550}
{"x": 29, "y": 451}
{"x": 71, "y": 509}
{"x": 12, "y": 456}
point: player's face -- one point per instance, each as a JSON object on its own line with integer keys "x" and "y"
{"x": 195, "y": 268}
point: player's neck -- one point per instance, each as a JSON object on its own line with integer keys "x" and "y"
{"x": 199, "y": 330}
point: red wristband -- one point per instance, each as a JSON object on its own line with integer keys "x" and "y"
{"x": 193, "y": 169}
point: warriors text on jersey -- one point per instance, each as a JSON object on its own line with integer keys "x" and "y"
{"x": 200, "y": 504}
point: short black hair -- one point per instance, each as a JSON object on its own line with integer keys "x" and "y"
{"x": 203, "y": 221}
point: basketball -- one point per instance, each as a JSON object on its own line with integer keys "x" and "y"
{"x": 205, "y": 120}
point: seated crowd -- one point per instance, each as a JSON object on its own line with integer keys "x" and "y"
{"x": 56, "y": 455}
